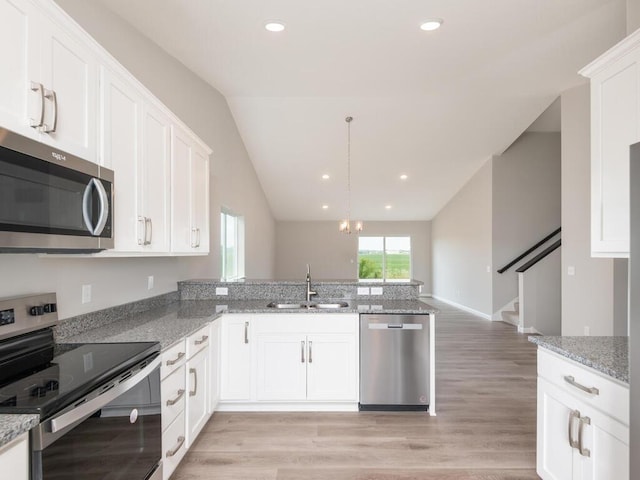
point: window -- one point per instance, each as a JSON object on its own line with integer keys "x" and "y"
{"x": 232, "y": 246}
{"x": 384, "y": 258}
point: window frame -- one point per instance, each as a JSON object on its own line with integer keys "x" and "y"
{"x": 384, "y": 260}
{"x": 226, "y": 213}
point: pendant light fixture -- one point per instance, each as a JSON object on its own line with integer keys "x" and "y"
{"x": 345, "y": 225}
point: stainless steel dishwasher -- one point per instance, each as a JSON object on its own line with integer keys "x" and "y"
{"x": 394, "y": 362}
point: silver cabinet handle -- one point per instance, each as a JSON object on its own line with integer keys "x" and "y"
{"x": 51, "y": 95}
{"x": 246, "y": 332}
{"x": 195, "y": 382}
{"x": 574, "y": 414}
{"x": 302, "y": 351}
{"x": 197, "y": 237}
{"x": 203, "y": 339}
{"x": 175, "y": 360}
{"x": 37, "y": 87}
{"x": 583, "y": 451}
{"x": 194, "y": 242}
{"x": 141, "y": 238}
{"x": 174, "y": 450}
{"x": 147, "y": 222}
{"x": 175, "y": 400}
{"x": 310, "y": 351}
{"x": 572, "y": 381}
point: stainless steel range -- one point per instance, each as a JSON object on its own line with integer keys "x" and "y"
{"x": 99, "y": 404}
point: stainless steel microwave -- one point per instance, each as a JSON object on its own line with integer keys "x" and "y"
{"x": 52, "y": 201}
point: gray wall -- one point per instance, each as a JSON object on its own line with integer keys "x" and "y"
{"x": 234, "y": 184}
{"x": 334, "y": 255}
{"x": 587, "y": 296}
{"x": 633, "y": 16}
{"x": 526, "y": 204}
{"x": 461, "y": 245}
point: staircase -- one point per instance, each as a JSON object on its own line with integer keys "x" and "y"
{"x": 512, "y": 316}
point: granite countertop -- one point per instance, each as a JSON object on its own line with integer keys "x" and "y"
{"x": 12, "y": 426}
{"x": 608, "y": 355}
{"x": 301, "y": 281}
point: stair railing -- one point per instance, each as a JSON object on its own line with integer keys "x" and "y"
{"x": 539, "y": 257}
{"x": 532, "y": 249}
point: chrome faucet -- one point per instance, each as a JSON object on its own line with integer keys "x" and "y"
{"x": 309, "y": 291}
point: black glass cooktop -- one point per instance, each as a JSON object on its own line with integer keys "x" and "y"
{"x": 76, "y": 369}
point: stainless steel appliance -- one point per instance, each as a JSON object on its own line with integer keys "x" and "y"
{"x": 394, "y": 362}
{"x": 99, "y": 404}
{"x": 52, "y": 201}
{"x": 634, "y": 312}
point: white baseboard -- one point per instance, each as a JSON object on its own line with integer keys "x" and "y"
{"x": 230, "y": 406}
{"x": 528, "y": 330}
{"x": 478, "y": 313}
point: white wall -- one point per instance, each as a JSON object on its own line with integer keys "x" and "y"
{"x": 461, "y": 245}
{"x": 234, "y": 185}
{"x": 587, "y": 296}
{"x": 526, "y": 204}
{"x": 334, "y": 255}
{"x": 540, "y": 301}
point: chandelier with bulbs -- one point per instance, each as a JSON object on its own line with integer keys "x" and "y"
{"x": 345, "y": 226}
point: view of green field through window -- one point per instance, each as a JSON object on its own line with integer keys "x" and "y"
{"x": 384, "y": 258}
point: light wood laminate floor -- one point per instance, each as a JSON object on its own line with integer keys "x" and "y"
{"x": 484, "y": 429}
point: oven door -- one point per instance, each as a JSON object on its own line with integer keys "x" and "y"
{"x": 115, "y": 433}
{"x": 58, "y": 202}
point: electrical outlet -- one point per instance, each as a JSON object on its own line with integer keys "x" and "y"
{"x": 222, "y": 291}
{"x": 86, "y": 293}
{"x": 488, "y": 268}
{"x": 571, "y": 270}
{"x": 376, "y": 290}
{"x": 587, "y": 331}
{"x": 150, "y": 282}
{"x": 363, "y": 290}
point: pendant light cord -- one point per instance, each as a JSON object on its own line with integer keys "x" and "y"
{"x": 348, "y": 120}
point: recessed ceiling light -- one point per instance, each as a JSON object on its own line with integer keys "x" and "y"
{"x": 325, "y": 177}
{"x": 274, "y": 26}
{"x": 403, "y": 177}
{"x": 325, "y": 207}
{"x": 432, "y": 24}
{"x": 388, "y": 207}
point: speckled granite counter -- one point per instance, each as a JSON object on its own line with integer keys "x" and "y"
{"x": 608, "y": 355}
{"x": 12, "y": 426}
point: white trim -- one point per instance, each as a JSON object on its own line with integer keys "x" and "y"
{"x": 230, "y": 406}
{"x": 612, "y": 55}
{"x": 528, "y": 330}
{"x": 478, "y": 313}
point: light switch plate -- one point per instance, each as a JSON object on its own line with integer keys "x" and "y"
{"x": 363, "y": 290}
{"x": 376, "y": 290}
{"x": 222, "y": 291}
{"x": 86, "y": 293}
{"x": 150, "y": 282}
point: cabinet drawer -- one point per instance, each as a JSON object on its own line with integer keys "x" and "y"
{"x": 173, "y": 396}
{"x": 198, "y": 340}
{"x": 612, "y": 397}
{"x": 173, "y": 446}
{"x": 173, "y": 358}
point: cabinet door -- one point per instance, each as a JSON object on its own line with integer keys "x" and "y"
{"x": 200, "y": 198}
{"x": 236, "y": 356}
{"x": 214, "y": 351}
{"x": 332, "y": 367}
{"x": 173, "y": 390}
{"x": 70, "y": 71}
{"x": 19, "y": 105}
{"x": 120, "y": 131}
{"x": 155, "y": 178}
{"x": 197, "y": 394}
{"x": 14, "y": 458}
{"x": 182, "y": 237}
{"x": 554, "y": 452}
{"x": 281, "y": 366}
{"x": 614, "y": 127}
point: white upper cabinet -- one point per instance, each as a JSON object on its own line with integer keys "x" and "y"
{"x": 615, "y": 125}
{"x": 190, "y": 194}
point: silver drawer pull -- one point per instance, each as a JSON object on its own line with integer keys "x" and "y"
{"x": 583, "y": 451}
{"x": 202, "y": 340}
{"x": 195, "y": 382}
{"x": 175, "y": 360}
{"x": 174, "y": 450}
{"x": 173, "y": 401}
{"x": 572, "y": 381}
{"x": 572, "y": 415}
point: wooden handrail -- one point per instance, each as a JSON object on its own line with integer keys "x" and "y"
{"x": 521, "y": 256}
{"x": 539, "y": 257}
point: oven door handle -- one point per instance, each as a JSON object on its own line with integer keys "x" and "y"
{"x": 86, "y": 409}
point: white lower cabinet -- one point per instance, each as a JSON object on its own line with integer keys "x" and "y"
{"x": 198, "y": 399}
{"x": 14, "y": 458}
{"x": 580, "y": 435}
{"x": 173, "y": 445}
{"x": 214, "y": 355}
{"x": 283, "y": 361}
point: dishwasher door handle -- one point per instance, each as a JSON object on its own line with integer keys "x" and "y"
{"x": 396, "y": 326}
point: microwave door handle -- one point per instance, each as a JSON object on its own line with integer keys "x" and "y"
{"x": 86, "y": 214}
{"x": 104, "y": 206}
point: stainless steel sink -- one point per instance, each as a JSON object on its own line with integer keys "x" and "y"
{"x": 299, "y": 306}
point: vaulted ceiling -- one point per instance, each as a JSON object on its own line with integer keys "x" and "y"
{"x": 431, "y": 105}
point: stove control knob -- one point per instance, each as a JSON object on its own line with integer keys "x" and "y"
{"x": 36, "y": 311}
{"x": 50, "y": 307}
